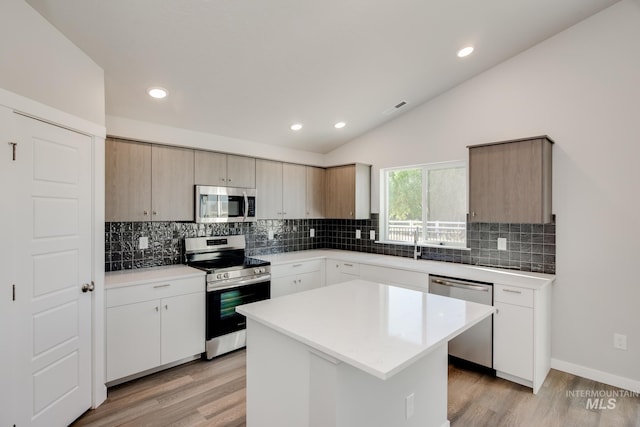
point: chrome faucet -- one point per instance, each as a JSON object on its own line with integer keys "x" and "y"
{"x": 416, "y": 249}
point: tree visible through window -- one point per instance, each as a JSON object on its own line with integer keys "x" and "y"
{"x": 429, "y": 200}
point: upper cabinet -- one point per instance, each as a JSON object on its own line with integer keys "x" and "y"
{"x": 145, "y": 182}
{"x": 281, "y": 189}
{"x": 347, "y": 193}
{"x": 269, "y": 189}
{"x": 510, "y": 181}
{"x": 315, "y": 192}
{"x": 172, "y": 197}
{"x": 224, "y": 170}
{"x": 127, "y": 181}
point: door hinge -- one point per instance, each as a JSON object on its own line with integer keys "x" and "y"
{"x": 13, "y": 146}
{"x": 14, "y": 292}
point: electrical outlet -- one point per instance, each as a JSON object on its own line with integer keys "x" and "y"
{"x": 620, "y": 341}
{"x": 312, "y": 232}
{"x": 143, "y": 242}
{"x": 409, "y": 404}
{"x": 372, "y": 235}
{"x": 270, "y": 234}
{"x": 502, "y": 244}
{"x": 358, "y": 234}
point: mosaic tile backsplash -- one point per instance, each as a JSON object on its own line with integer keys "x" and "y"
{"x": 530, "y": 247}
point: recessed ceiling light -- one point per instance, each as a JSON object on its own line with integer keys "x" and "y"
{"x": 296, "y": 126}
{"x": 339, "y": 125}
{"x": 465, "y": 51}
{"x": 157, "y": 92}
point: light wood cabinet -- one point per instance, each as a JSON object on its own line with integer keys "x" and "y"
{"x": 315, "y": 192}
{"x": 145, "y": 182}
{"x": 127, "y": 181}
{"x": 294, "y": 191}
{"x": 269, "y": 189}
{"x": 282, "y": 190}
{"x": 510, "y": 182}
{"x": 172, "y": 184}
{"x": 347, "y": 193}
{"x": 153, "y": 324}
{"x": 225, "y": 170}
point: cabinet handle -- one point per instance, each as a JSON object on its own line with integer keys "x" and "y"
{"x": 473, "y": 214}
{"x": 162, "y": 286}
{"x": 348, "y": 265}
{"x": 166, "y": 306}
{"x": 297, "y": 265}
{"x": 222, "y": 179}
{"x": 145, "y": 213}
{"x": 155, "y": 212}
{"x": 156, "y": 308}
{"x": 512, "y": 291}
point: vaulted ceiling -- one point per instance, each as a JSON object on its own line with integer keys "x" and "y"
{"x": 250, "y": 69}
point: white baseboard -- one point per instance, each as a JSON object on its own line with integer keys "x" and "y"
{"x": 595, "y": 375}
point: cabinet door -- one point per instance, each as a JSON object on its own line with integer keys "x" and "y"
{"x": 294, "y": 189}
{"x": 339, "y": 271}
{"x": 315, "y": 192}
{"x": 210, "y": 168}
{"x": 510, "y": 182}
{"x": 296, "y": 283}
{"x": 182, "y": 326}
{"x": 308, "y": 281}
{"x": 340, "y": 196}
{"x": 513, "y": 340}
{"x": 269, "y": 189}
{"x": 133, "y": 338}
{"x": 127, "y": 181}
{"x": 241, "y": 171}
{"x": 172, "y": 183}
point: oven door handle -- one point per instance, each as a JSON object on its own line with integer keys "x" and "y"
{"x": 234, "y": 283}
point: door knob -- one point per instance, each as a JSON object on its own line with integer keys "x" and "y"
{"x": 88, "y": 287}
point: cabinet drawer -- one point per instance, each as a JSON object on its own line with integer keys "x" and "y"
{"x": 296, "y": 268}
{"x": 150, "y": 291}
{"x": 513, "y": 295}
{"x": 348, "y": 268}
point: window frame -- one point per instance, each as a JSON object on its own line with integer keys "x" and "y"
{"x": 425, "y": 167}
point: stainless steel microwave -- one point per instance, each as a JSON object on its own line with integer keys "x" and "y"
{"x": 225, "y": 204}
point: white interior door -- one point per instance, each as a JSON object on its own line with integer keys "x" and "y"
{"x": 53, "y": 259}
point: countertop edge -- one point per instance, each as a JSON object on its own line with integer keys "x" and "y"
{"x": 516, "y": 278}
{"x": 141, "y": 276}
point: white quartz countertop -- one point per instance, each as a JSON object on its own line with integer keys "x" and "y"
{"x": 115, "y": 279}
{"x": 462, "y": 271}
{"x": 378, "y": 328}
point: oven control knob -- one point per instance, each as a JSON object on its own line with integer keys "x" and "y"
{"x": 226, "y": 275}
{"x": 218, "y": 276}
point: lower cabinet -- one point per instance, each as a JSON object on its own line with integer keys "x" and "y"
{"x": 521, "y": 335}
{"x": 296, "y": 277}
{"x": 394, "y": 276}
{"x": 341, "y": 271}
{"x": 153, "y": 324}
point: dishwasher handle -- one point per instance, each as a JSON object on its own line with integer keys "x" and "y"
{"x": 462, "y": 285}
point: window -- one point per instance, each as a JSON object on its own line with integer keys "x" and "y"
{"x": 430, "y": 200}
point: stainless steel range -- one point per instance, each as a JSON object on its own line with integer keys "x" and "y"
{"x": 232, "y": 279}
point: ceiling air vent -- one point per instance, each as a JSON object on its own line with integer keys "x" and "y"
{"x": 395, "y": 108}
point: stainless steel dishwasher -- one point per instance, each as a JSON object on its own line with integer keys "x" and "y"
{"x": 475, "y": 344}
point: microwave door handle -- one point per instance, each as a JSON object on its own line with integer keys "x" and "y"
{"x": 246, "y": 205}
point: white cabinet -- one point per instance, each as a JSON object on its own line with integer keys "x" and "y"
{"x": 154, "y": 324}
{"x": 521, "y": 335}
{"x": 296, "y": 277}
{"x": 394, "y": 276}
{"x": 340, "y": 271}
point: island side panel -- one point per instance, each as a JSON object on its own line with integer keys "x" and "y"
{"x": 277, "y": 379}
{"x": 289, "y": 384}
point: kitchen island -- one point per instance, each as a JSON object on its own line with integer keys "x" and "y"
{"x": 353, "y": 354}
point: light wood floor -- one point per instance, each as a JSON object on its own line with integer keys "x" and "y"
{"x": 212, "y": 393}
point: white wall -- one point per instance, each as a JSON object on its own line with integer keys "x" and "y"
{"x": 39, "y": 63}
{"x": 582, "y": 88}
{"x": 152, "y": 132}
